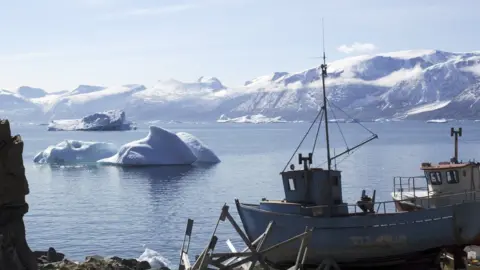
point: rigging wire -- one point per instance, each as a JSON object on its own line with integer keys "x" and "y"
{"x": 338, "y": 125}
{"x": 304, "y": 137}
{"x": 338, "y": 108}
{"x": 342, "y": 160}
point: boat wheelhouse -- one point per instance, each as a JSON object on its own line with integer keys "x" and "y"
{"x": 441, "y": 184}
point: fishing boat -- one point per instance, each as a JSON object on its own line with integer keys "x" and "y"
{"x": 350, "y": 234}
{"x": 444, "y": 183}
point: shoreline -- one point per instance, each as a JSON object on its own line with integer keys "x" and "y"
{"x": 54, "y": 260}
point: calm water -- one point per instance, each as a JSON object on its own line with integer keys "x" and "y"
{"x": 105, "y": 210}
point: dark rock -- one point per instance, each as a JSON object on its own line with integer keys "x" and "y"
{"x": 48, "y": 256}
{"x": 94, "y": 258}
{"x": 54, "y": 256}
{"x": 130, "y": 263}
{"x": 143, "y": 265}
{"x": 93, "y": 262}
{"x": 115, "y": 259}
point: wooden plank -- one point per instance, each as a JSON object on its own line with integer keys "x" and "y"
{"x": 186, "y": 261}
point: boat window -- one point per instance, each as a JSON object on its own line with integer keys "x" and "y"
{"x": 335, "y": 180}
{"x": 291, "y": 184}
{"x": 452, "y": 177}
{"x": 435, "y": 178}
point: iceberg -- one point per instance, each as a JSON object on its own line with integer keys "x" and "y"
{"x": 113, "y": 120}
{"x": 72, "y": 151}
{"x": 163, "y": 147}
{"x": 437, "y": 121}
{"x": 160, "y": 147}
{"x": 203, "y": 153}
{"x": 154, "y": 258}
{"x": 254, "y": 119}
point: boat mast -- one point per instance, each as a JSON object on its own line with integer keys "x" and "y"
{"x": 323, "y": 112}
{"x": 324, "y": 74}
{"x": 456, "y": 133}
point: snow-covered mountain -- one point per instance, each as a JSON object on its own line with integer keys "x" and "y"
{"x": 18, "y": 108}
{"x": 416, "y": 84}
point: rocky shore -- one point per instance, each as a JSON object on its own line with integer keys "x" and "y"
{"x": 56, "y": 260}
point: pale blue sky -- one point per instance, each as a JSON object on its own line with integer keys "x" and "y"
{"x": 58, "y": 44}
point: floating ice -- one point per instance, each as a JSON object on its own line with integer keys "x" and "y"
{"x": 254, "y": 119}
{"x": 154, "y": 258}
{"x": 160, "y": 147}
{"x": 442, "y": 120}
{"x": 203, "y": 153}
{"x": 72, "y": 151}
{"x": 102, "y": 121}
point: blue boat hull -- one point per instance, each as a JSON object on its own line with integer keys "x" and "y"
{"x": 353, "y": 238}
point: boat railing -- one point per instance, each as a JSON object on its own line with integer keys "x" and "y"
{"x": 410, "y": 184}
{"x": 426, "y": 202}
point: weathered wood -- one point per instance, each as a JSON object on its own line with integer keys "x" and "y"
{"x": 240, "y": 262}
{"x": 303, "y": 247}
{"x": 196, "y": 265}
{"x": 276, "y": 246}
{"x": 231, "y": 254}
{"x": 232, "y": 248}
{"x": 247, "y": 258}
{"x": 245, "y": 239}
{"x": 260, "y": 245}
{"x": 184, "y": 262}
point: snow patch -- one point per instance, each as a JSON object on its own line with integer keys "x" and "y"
{"x": 72, "y": 151}
{"x": 408, "y": 54}
{"x": 102, "y": 121}
{"x": 84, "y": 89}
{"x": 173, "y": 90}
{"x": 96, "y": 94}
{"x": 399, "y": 76}
{"x": 428, "y": 107}
{"x": 473, "y": 69}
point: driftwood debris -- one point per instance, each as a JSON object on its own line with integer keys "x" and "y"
{"x": 253, "y": 256}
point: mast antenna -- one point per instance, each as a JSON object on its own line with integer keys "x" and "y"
{"x": 323, "y": 39}
{"x": 319, "y": 118}
{"x": 325, "y": 113}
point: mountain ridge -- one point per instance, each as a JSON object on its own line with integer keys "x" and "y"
{"x": 411, "y": 84}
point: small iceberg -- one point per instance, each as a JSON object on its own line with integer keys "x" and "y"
{"x": 251, "y": 119}
{"x": 72, "y": 152}
{"x": 114, "y": 120}
{"x": 340, "y": 120}
{"x": 154, "y": 258}
{"x": 381, "y": 120}
{"x": 162, "y": 147}
{"x": 441, "y": 120}
{"x": 353, "y": 120}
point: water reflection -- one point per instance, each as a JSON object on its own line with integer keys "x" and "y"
{"x": 164, "y": 181}
{"x": 156, "y": 173}
{"x": 60, "y": 167}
